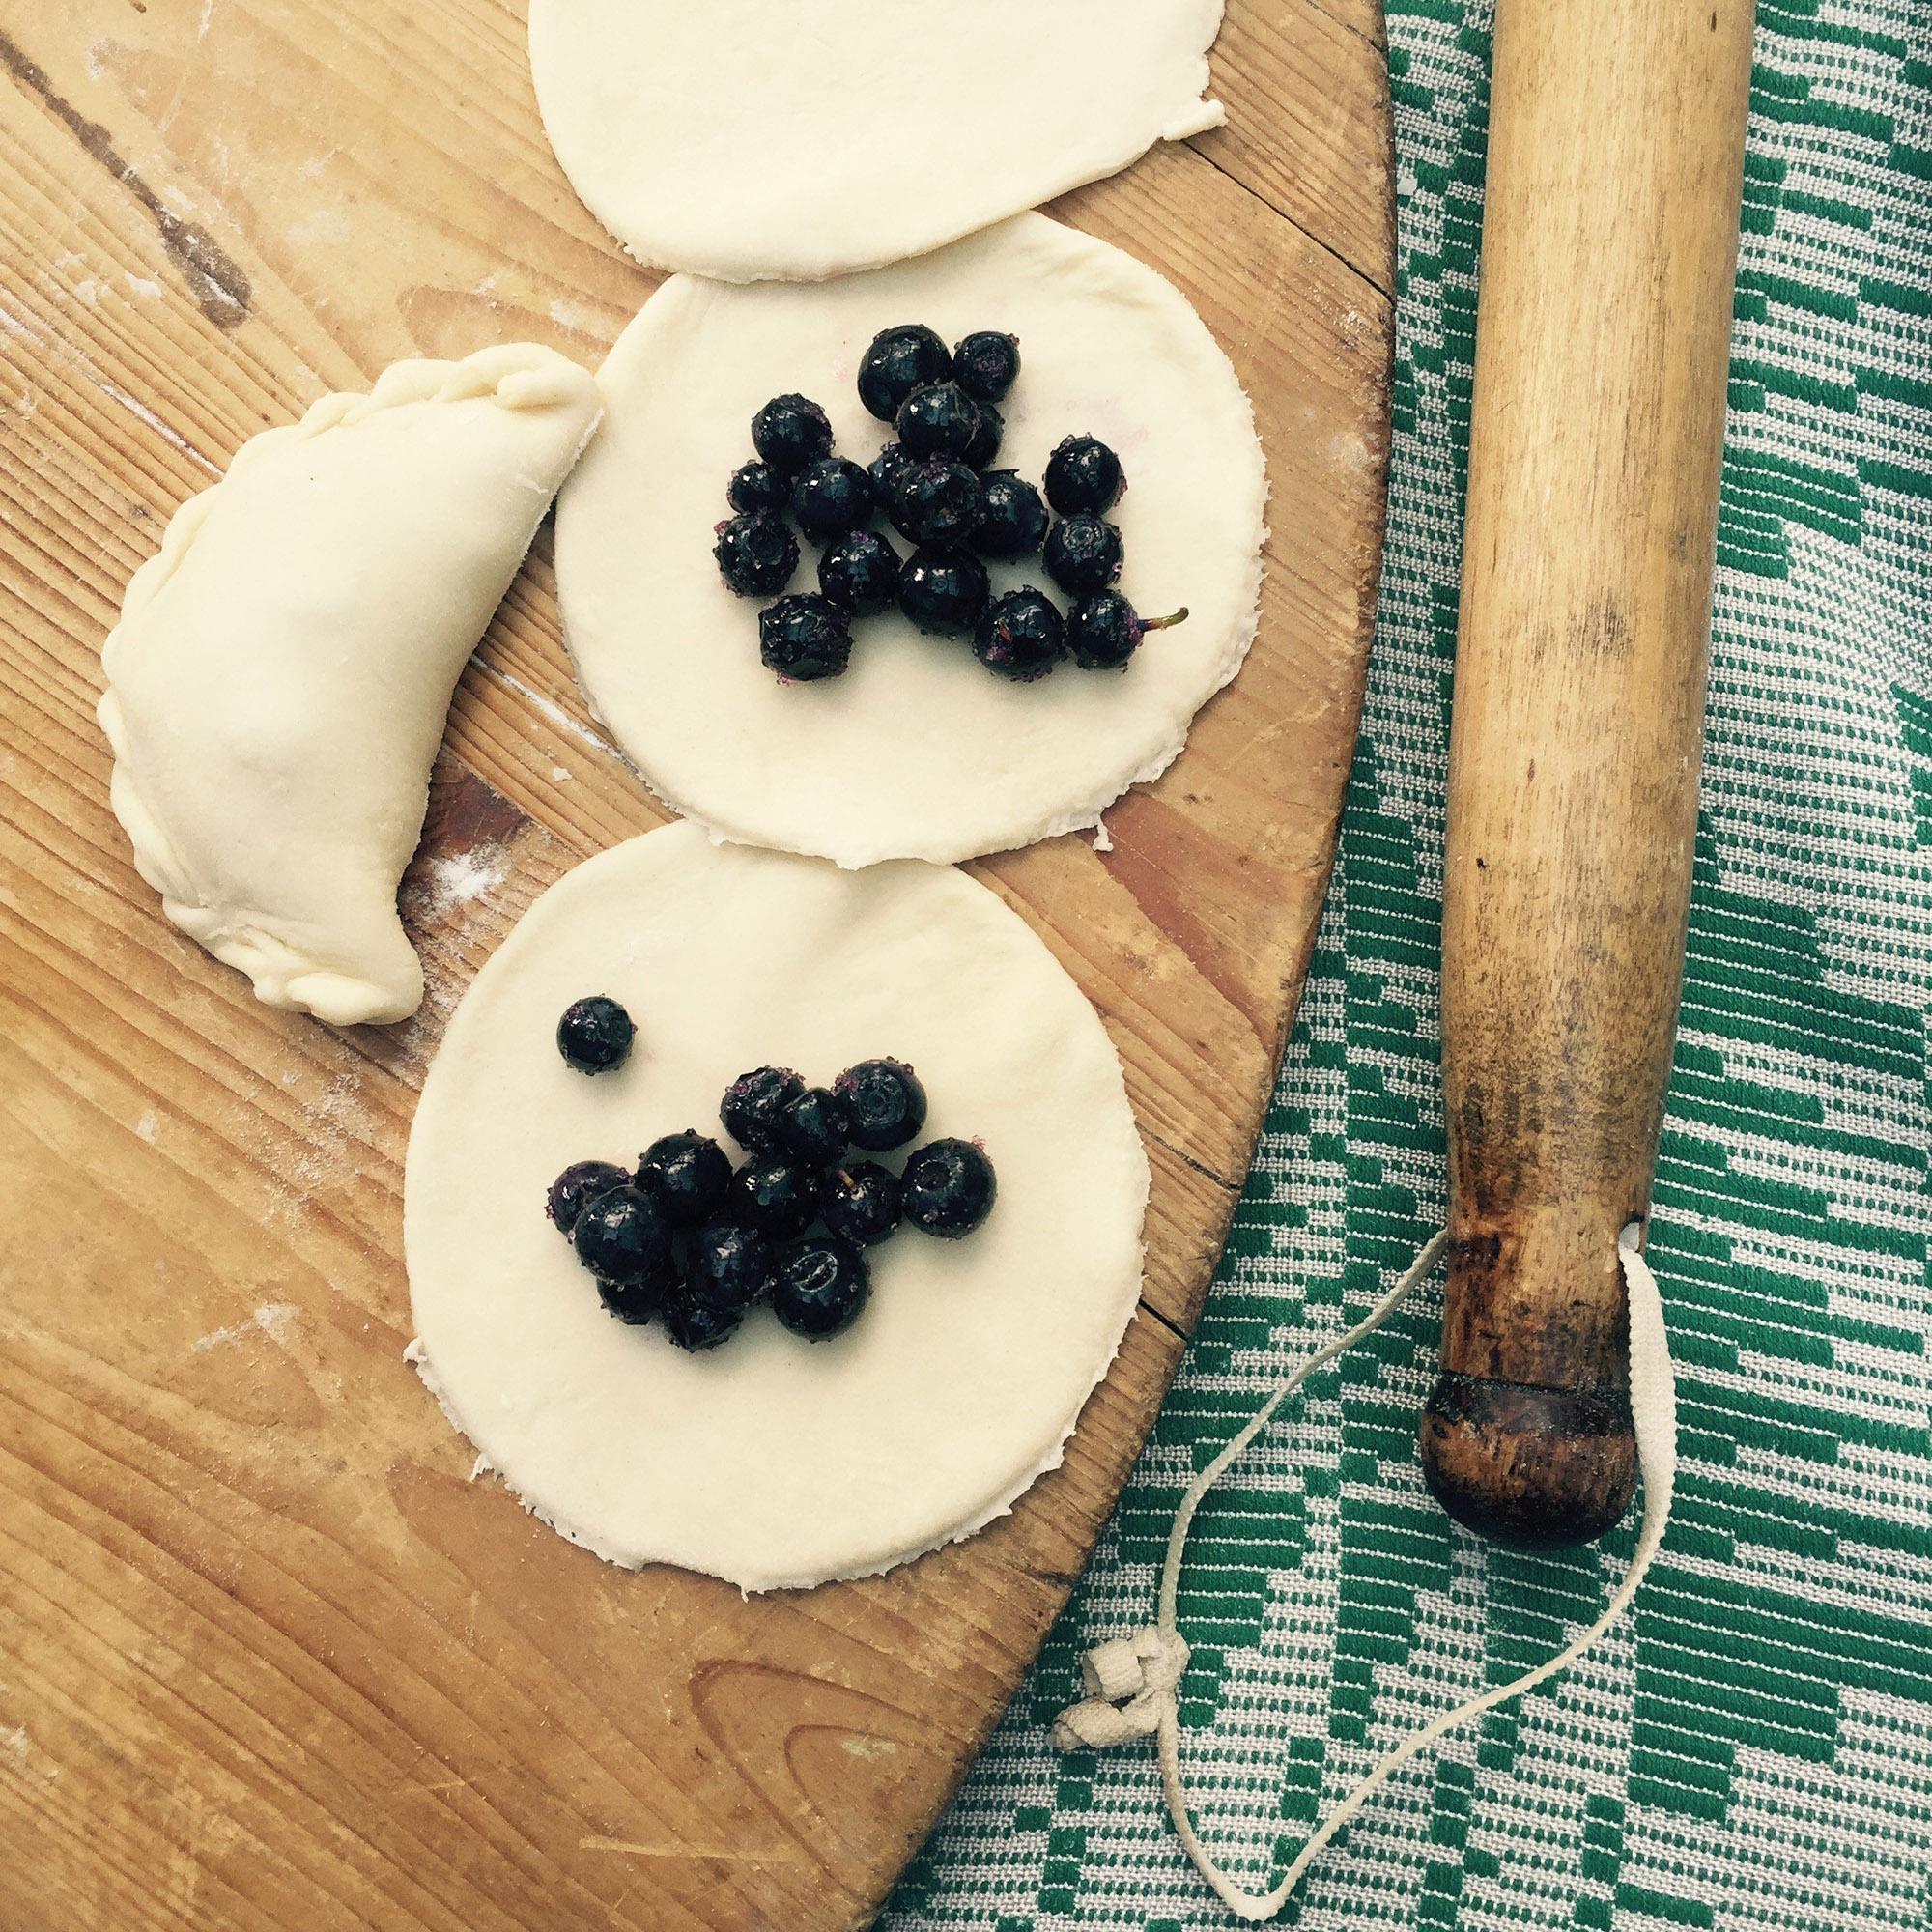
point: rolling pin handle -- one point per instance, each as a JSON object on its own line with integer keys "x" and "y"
{"x": 1596, "y": 437}
{"x": 1538, "y": 1469}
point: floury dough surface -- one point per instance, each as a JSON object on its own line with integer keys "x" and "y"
{"x": 918, "y": 751}
{"x": 773, "y": 1462}
{"x": 277, "y": 684}
{"x": 799, "y": 139}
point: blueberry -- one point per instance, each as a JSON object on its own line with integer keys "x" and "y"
{"x": 756, "y": 554}
{"x": 887, "y": 469}
{"x": 986, "y": 443}
{"x": 860, "y": 1202}
{"x": 753, "y": 1103}
{"x": 820, "y": 1286}
{"x": 948, "y": 1188}
{"x": 577, "y": 1186}
{"x": 792, "y": 431}
{"x": 887, "y": 1102}
{"x": 689, "y": 1174}
{"x": 594, "y": 1034}
{"x": 1021, "y": 636}
{"x": 817, "y": 1126}
{"x": 623, "y": 1236}
{"x": 861, "y": 574}
{"x": 695, "y": 1324}
{"x": 935, "y": 501}
{"x": 894, "y": 498}
{"x": 985, "y": 364}
{"x": 776, "y": 1194}
{"x": 805, "y": 638}
{"x": 943, "y": 587}
{"x": 1083, "y": 474}
{"x": 757, "y": 486}
{"x": 1012, "y": 519}
{"x": 634, "y": 1302}
{"x": 1104, "y": 630}
{"x": 899, "y": 361}
{"x": 831, "y": 497}
{"x": 1083, "y": 553}
{"x": 940, "y": 420}
{"x": 729, "y": 1267}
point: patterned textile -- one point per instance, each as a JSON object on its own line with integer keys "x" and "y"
{"x": 1756, "y": 1748}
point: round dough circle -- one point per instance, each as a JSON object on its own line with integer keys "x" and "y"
{"x": 917, "y": 751}
{"x": 728, "y": 139}
{"x": 772, "y": 1461}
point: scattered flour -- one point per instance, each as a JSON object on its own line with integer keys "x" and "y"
{"x": 141, "y": 412}
{"x": 276, "y": 1320}
{"x": 18, "y": 1753}
{"x": 556, "y": 713}
{"x": 569, "y": 313}
{"x": 445, "y": 885}
{"x": 149, "y": 1127}
{"x": 325, "y": 225}
{"x": 460, "y": 878}
{"x": 335, "y": 1134}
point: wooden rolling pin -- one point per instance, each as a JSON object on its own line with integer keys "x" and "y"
{"x": 1609, "y": 241}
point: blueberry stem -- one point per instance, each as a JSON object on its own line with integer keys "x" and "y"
{"x": 1162, "y": 623}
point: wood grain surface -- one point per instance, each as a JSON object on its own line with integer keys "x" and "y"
{"x": 1596, "y": 439}
{"x": 268, "y": 1657}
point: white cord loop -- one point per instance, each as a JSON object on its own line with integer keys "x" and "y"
{"x": 1128, "y": 1681}
{"x": 1134, "y": 1683}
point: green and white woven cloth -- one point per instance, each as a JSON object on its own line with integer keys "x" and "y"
{"x": 1754, "y": 1750}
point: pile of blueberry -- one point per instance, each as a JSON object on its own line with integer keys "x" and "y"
{"x": 934, "y": 487}
{"x": 686, "y": 1235}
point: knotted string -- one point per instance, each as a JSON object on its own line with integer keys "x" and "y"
{"x": 1133, "y": 1684}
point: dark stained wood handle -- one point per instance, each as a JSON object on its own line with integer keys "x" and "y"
{"x": 1610, "y": 244}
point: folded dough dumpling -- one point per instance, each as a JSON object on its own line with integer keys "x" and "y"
{"x": 277, "y": 684}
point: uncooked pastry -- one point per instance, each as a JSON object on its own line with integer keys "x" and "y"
{"x": 278, "y": 680}
{"x": 917, "y": 751}
{"x": 773, "y": 1462}
{"x": 799, "y": 139}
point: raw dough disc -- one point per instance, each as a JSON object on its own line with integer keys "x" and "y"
{"x": 917, "y": 751}
{"x": 773, "y": 1462}
{"x": 738, "y": 138}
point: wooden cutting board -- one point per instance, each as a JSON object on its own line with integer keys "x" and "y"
{"x": 268, "y": 1657}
